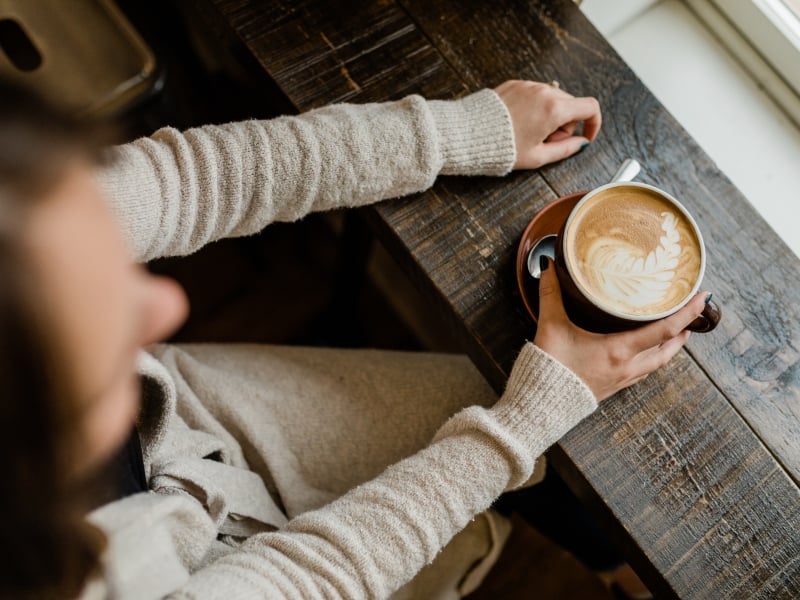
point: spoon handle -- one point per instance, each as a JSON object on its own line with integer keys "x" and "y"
{"x": 627, "y": 171}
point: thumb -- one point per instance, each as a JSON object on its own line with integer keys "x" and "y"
{"x": 551, "y": 308}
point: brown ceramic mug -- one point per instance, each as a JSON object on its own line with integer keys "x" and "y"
{"x": 630, "y": 254}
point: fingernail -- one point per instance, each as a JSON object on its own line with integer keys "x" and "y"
{"x": 708, "y": 298}
{"x": 583, "y": 145}
{"x": 543, "y": 263}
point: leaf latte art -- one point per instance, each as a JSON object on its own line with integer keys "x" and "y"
{"x": 622, "y": 273}
{"x": 633, "y": 252}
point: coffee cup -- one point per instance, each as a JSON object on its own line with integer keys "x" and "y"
{"x": 630, "y": 254}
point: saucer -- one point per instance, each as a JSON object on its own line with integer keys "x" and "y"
{"x": 545, "y": 222}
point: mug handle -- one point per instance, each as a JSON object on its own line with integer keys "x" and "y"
{"x": 708, "y": 319}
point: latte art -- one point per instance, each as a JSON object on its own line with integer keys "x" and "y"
{"x": 633, "y": 252}
{"x": 622, "y": 273}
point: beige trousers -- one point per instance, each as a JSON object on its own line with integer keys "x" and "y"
{"x": 315, "y": 422}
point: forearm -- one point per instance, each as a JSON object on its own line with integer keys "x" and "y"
{"x": 376, "y": 537}
{"x": 175, "y": 192}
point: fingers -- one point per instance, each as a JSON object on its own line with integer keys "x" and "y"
{"x": 550, "y": 306}
{"x": 592, "y": 123}
{"x": 553, "y": 151}
{"x": 640, "y": 366}
{"x": 657, "y": 357}
{"x": 585, "y": 109}
{"x": 607, "y": 363}
{"x": 562, "y": 143}
{"x": 563, "y": 132}
{"x": 545, "y": 121}
{"x": 661, "y": 331}
{"x": 558, "y": 135}
{"x": 554, "y": 330}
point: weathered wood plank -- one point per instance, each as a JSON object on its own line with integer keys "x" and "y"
{"x": 458, "y": 234}
{"x": 754, "y": 356}
{"x": 752, "y": 359}
{"x": 671, "y": 459}
{"x": 321, "y": 54}
{"x": 308, "y": 70}
{"x": 670, "y": 464}
{"x": 713, "y": 511}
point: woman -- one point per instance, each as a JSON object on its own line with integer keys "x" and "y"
{"x": 255, "y": 471}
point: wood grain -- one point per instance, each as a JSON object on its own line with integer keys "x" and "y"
{"x": 755, "y": 354}
{"x": 694, "y": 471}
{"x": 321, "y": 53}
{"x": 713, "y": 512}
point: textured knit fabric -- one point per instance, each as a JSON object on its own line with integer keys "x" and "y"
{"x": 175, "y": 192}
{"x": 279, "y": 472}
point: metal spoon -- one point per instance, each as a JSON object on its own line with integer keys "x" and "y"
{"x": 546, "y": 245}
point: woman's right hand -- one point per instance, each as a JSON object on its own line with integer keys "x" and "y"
{"x": 545, "y": 120}
{"x": 608, "y": 363}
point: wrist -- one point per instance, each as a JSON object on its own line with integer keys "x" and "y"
{"x": 475, "y": 134}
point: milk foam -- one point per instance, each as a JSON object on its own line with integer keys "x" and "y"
{"x": 633, "y": 252}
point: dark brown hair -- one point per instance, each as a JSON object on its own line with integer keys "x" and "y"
{"x": 47, "y": 549}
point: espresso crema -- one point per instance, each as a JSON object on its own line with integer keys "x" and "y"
{"x": 633, "y": 252}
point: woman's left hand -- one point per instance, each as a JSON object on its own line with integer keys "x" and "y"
{"x": 609, "y": 362}
{"x": 545, "y": 119}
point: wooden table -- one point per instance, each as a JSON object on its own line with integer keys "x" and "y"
{"x": 694, "y": 471}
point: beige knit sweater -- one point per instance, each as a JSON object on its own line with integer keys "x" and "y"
{"x": 221, "y": 520}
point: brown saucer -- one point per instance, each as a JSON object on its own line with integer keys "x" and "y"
{"x": 545, "y": 222}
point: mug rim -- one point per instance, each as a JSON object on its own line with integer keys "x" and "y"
{"x": 609, "y": 309}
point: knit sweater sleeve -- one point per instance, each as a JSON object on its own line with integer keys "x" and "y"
{"x": 376, "y": 537}
{"x": 174, "y": 192}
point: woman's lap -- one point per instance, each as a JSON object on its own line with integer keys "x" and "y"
{"x": 314, "y": 422}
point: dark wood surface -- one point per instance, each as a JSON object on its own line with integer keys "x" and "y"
{"x": 694, "y": 471}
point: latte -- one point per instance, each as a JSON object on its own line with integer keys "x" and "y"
{"x": 633, "y": 252}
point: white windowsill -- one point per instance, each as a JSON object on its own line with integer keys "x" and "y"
{"x": 715, "y": 97}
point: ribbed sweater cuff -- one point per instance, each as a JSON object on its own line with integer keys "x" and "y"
{"x": 475, "y": 134}
{"x": 543, "y": 400}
